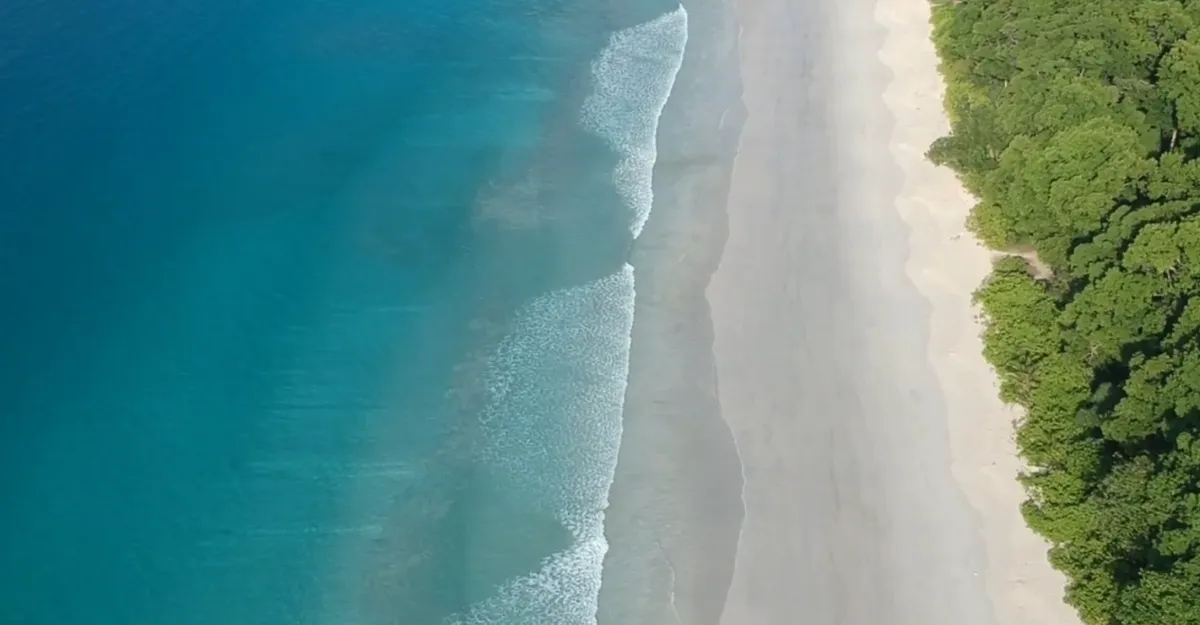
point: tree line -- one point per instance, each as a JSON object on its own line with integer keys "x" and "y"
{"x": 1076, "y": 123}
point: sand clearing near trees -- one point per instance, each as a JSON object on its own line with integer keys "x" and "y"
{"x": 947, "y": 268}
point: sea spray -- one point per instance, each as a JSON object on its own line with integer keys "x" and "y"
{"x": 633, "y": 78}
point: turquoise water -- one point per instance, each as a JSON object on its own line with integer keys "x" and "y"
{"x": 317, "y": 311}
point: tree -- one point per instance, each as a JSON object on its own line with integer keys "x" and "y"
{"x": 1077, "y": 124}
{"x": 1179, "y": 80}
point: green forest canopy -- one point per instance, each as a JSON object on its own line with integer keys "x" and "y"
{"x": 1077, "y": 125}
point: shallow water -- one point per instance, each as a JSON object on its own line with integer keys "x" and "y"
{"x": 317, "y": 312}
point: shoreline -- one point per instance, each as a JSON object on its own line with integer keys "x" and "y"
{"x": 880, "y": 470}
{"x": 675, "y": 509}
{"x": 810, "y": 426}
{"x": 947, "y": 264}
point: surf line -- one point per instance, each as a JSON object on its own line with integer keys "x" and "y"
{"x": 628, "y": 98}
{"x": 670, "y": 565}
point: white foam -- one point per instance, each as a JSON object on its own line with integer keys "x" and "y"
{"x": 633, "y": 78}
{"x": 564, "y": 592}
{"x": 557, "y": 382}
{"x": 554, "y": 429}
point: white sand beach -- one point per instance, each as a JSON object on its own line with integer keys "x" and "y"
{"x": 879, "y": 465}
{"x": 811, "y": 435}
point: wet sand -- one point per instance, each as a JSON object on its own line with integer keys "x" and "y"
{"x": 675, "y": 506}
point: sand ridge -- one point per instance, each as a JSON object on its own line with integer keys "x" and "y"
{"x": 946, "y": 265}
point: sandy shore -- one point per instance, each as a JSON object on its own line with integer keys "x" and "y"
{"x": 811, "y": 434}
{"x": 879, "y": 465}
{"x": 946, "y": 265}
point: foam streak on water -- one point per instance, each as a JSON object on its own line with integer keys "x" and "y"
{"x": 633, "y": 78}
{"x": 554, "y": 428}
{"x": 558, "y": 380}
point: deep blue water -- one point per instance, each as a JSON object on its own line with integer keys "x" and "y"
{"x": 316, "y": 311}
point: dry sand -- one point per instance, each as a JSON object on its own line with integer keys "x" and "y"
{"x": 946, "y": 265}
{"x": 879, "y": 464}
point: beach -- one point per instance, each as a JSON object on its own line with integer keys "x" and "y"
{"x": 529, "y": 312}
{"x": 853, "y": 515}
{"x": 811, "y": 433}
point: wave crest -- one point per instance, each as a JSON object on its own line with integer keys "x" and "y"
{"x": 553, "y": 430}
{"x": 633, "y": 78}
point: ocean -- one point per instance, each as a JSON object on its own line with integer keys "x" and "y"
{"x": 318, "y": 311}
